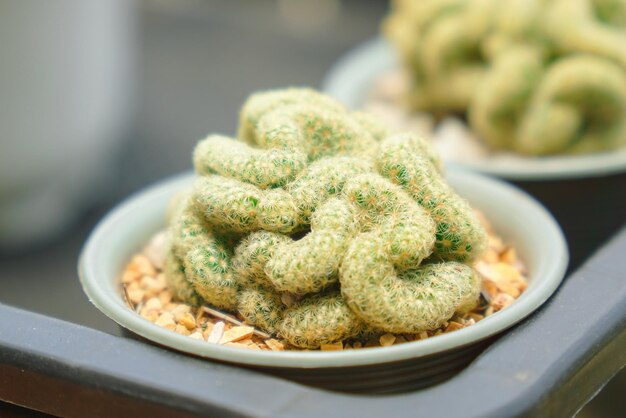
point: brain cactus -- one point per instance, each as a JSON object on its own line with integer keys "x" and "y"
{"x": 317, "y": 225}
{"x": 534, "y": 76}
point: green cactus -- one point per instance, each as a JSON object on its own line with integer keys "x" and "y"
{"x": 506, "y": 92}
{"x": 302, "y": 120}
{"x": 209, "y": 269}
{"x": 311, "y": 263}
{"x": 253, "y": 253}
{"x": 387, "y": 209}
{"x": 580, "y": 105}
{"x": 286, "y": 216}
{"x": 533, "y": 76}
{"x": 241, "y": 207}
{"x": 225, "y": 156}
{"x": 319, "y": 319}
{"x": 261, "y": 307}
{"x": 322, "y": 180}
{"x": 203, "y": 258}
{"x": 181, "y": 287}
{"x": 260, "y": 104}
{"x": 459, "y": 235}
{"x": 407, "y": 301}
{"x": 574, "y": 27}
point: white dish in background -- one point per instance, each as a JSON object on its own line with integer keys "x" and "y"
{"x": 353, "y": 77}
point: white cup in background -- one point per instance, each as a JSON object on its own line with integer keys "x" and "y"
{"x": 66, "y": 69}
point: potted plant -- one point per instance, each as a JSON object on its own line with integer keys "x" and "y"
{"x": 317, "y": 228}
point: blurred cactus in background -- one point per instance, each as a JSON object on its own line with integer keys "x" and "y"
{"x": 315, "y": 224}
{"x": 534, "y": 76}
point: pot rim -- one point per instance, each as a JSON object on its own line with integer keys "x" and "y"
{"x": 351, "y": 77}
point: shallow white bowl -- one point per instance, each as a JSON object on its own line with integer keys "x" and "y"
{"x": 353, "y": 76}
{"x": 519, "y": 219}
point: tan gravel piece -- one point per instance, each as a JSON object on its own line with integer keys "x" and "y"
{"x": 338, "y": 346}
{"x": 400, "y": 340}
{"x": 135, "y": 295}
{"x": 142, "y": 265}
{"x": 387, "y": 339}
{"x": 166, "y": 320}
{"x": 275, "y": 345}
{"x": 236, "y": 334}
{"x": 187, "y": 320}
{"x": 502, "y": 301}
{"x": 207, "y": 330}
{"x": 216, "y": 333}
{"x": 453, "y": 326}
{"x": 153, "y": 303}
{"x": 181, "y": 329}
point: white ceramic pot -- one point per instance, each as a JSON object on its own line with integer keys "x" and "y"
{"x": 519, "y": 219}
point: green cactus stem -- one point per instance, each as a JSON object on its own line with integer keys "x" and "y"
{"x": 283, "y": 213}
{"x": 407, "y": 301}
{"x": 311, "y": 263}
{"x": 231, "y": 158}
{"x": 319, "y": 319}
{"x": 459, "y": 234}
{"x": 261, "y": 307}
{"x": 580, "y": 105}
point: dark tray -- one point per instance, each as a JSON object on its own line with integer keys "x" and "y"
{"x": 550, "y": 365}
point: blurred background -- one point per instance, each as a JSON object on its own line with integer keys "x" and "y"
{"x": 101, "y": 98}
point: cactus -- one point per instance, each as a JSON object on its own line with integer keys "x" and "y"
{"x": 580, "y": 105}
{"x": 320, "y": 319}
{"x": 231, "y": 158}
{"x": 406, "y": 301}
{"x": 262, "y": 307}
{"x": 321, "y": 205}
{"x": 181, "y": 287}
{"x": 253, "y": 253}
{"x": 203, "y": 258}
{"x": 310, "y": 264}
{"x": 459, "y": 235}
{"x": 322, "y": 180}
{"x": 533, "y": 76}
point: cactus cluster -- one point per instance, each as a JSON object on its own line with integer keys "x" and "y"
{"x": 534, "y": 76}
{"x": 317, "y": 225}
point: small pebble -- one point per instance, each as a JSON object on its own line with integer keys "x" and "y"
{"x": 180, "y": 310}
{"x": 156, "y": 249}
{"x": 387, "y": 339}
{"x": 501, "y": 301}
{"x": 275, "y": 345}
{"x": 135, "y": 295}
{"x": 216, "y": 333}
{"x": 236, "y": 333}
{"x": 166, "y": 320}
{"x": 181, "y": 329}
{"x": 153, "y": 303}
{"x": 332, "y": 347}
{"x": 187, "y": 320}
{"x": 142, "y": 264}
